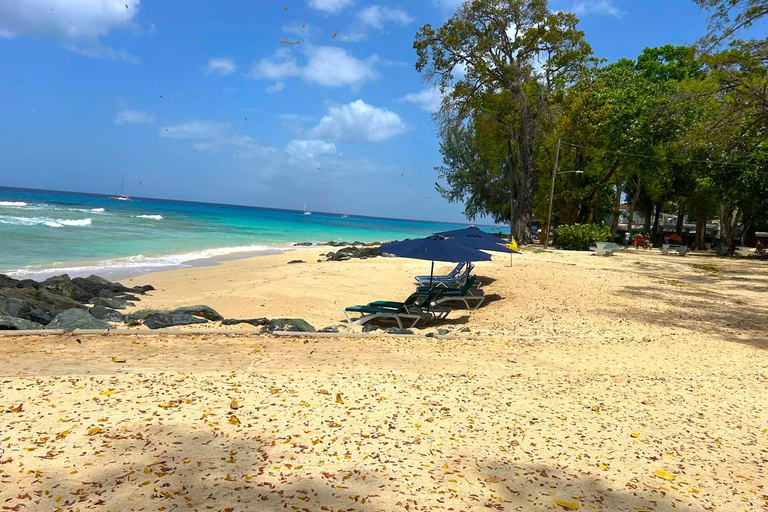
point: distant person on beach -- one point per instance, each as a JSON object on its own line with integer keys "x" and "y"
{"x": 759, "y": 247}
{"x": 731, "y": 248}
{"x": 626, "y": 239}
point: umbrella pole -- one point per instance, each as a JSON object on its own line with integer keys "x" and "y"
{"x": 429, "y": 295}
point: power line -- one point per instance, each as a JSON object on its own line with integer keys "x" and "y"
{"x": 650, "y": 157}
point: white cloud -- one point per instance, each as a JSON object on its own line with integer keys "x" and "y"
{"x": 195, "y": 130}
{"x": 358, "y": 122}
{"x": 75, "y": 24}
{"x": 331, "y": 6}
{"x": 310, "y": 148}
{"x": 221, "y": 66}
{"x": 605, "y": 7}
{"x": 377, "y": 15}
{"x": 334, "y": 67}
{"x": 427, "y": 99}
{"x": 325, "y": 65}
{"x": 127, "y": 116}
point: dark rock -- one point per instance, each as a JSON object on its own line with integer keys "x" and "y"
{"x": 110, "y": 315}
{"x": 465, "y": 329}
{"x": 63, "y": 285}
{"x": 141, "y": 315}
{"x": 256, "y": 322}
{"x": 296, "y": 261}
{"x": 58, "y": 302}
{"x": 289, "y": 324}
{"x": 430, "y": 335}
{"x": 40, "y": 306}
{"x": 11, "y": 323}
{"x": 28, "y": 283}
{"x": 72, "y": 319}
{"x": 303, "y": 244}
{"x": 11, "y": 306}
{"x": 162, "y": 320}
{"x": 442, "y": 332}
{"x": 7, "y": 281}
{"x": 202, "y": 311}
{"x": 111, "y": 303}
{"x": 331, "y": 328}
{"x": 353, "y": 252}
{"x": 109, "y": 294}
{"x": 142, "y": 289}
{"x": 95, "y": 284}
{"x": 396, "y": 330}
{"x": 370, "y": 328}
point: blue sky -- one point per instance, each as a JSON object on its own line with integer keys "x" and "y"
{"x": 200, "y": 100}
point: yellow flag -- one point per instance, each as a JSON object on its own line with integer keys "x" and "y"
{"x": 513, "y": 245}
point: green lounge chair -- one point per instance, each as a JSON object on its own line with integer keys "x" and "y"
{"x": 466, "y": 293}
{"x": 414, "y": 308}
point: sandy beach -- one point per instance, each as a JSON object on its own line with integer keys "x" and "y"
{"x": 629, "y": 383}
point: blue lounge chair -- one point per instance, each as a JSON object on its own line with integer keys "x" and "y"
{"x": 414, "y": 308}
{"x": 466, "y": 293}
{"x": 450, "y": 275}
{"x": 448, "y": 282}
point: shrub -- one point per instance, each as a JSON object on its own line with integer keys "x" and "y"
{"x": 578, "y": 237}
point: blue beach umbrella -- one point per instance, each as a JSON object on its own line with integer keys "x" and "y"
{"x": 476, "y": 238}
{"x": 435, "y": 248}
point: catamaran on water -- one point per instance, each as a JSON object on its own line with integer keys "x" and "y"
{"x": 119, "y": 196}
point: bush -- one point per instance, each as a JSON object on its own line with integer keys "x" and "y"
{"x": 578, "y": 237}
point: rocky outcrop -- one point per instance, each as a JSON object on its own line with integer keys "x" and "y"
{"x": 11, "y": 323}
{"x": 72, "y": 319}
{"x": 206, "y": 312}
{"x": 256, "y": 322}
{"x": 289, "y": 324}
{"x": 163, "y": 320}
{"x": 110, "y": 315}
{"x": 111, "y": 303}
{"x": 348, "y": 253}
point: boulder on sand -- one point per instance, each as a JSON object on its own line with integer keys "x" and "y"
{"x": 206, "y": 312}
{"x": 63, "y": 285}
{"x": 162, "y": 320}
{"x": 289, "y": 324}
{"x": 72, "y": 319}
{"x": 11, "y": 323}
{"x": 141, "y": 315}
{"x": 256, "y": 322}
{"x": 11, "y": 306}
{"x": 111, "y": 303}
{"x": 7, "y": 281}
{"x": 110, "y": 315}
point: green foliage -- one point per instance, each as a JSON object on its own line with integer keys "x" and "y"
{"x": 578, "y": 237}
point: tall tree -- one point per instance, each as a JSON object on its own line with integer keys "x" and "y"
{"x": 517, "y": 48}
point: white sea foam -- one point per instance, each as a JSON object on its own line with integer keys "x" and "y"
{"x": 139, "y": 263}
{"x": 153, "y": 217}
{"x": 13, "y": 203}
{"x": 97, "y": 210}
{"x": 44, "y": 221}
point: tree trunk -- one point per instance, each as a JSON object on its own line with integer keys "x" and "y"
{"x": 701, "y": 231}
{"x": 680, "y": 220}
{"x": 524, "y": 145}
{"x": 636, "y": 197}
{"x": 512, "y": 190}
{"x": 617, "y": 209}
{"x": 648, "y": 219}
{"x": 728, "y": 220}
{"x": 657, "y": 214}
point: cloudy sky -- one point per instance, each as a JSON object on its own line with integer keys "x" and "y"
{"x": 203, "y": 100}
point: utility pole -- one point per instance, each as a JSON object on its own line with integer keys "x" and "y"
{"x": 552, "y": 192}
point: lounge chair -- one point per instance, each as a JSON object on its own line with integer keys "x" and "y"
{"x": 414, "y": 308}
{"x": 450, "y": 275}
{"x": 451, "y": 282}
{"x": 466, "y": 293}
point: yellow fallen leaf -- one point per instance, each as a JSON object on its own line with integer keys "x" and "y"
{"x": 234, "y": 405}
{"x": 17, "y": 409}
{"x": 324, "y": 392}
{"x": 492, "y": 479}
{"x": 603, "y": 467}
{"x": 634, "y": 434}
{"x": 663, "y": 474}
{"x": 109, "y": 393}
{"x": 568, "y": 505}
{"x": 118, "y": 359}
{"x": 339, "y": 399}
{"x": 96, "y": 430}
{"x": 233, "y": 420}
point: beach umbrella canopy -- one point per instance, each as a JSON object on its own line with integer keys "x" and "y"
{"x": 476, "y": 238}
{"x": 434, "y": 248}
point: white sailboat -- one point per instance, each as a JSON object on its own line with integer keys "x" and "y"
{"x": 306, "y": 212}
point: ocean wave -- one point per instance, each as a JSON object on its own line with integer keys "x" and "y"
{"x": 153, "y": 217}
{"x": 138, "y": 263}
{"x": 97, "y": 210}
{"x": 13, "y": 203}
{"x": 43, "y": 221}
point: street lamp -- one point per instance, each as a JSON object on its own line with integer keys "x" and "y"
{"x": 552, "y": 192}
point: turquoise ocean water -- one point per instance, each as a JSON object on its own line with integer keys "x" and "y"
{"x": 44, "y": 232}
